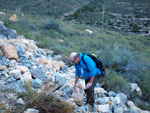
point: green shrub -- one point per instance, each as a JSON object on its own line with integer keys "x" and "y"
{"x": 135, "y": 28}
{"x": 50, "y": 104}
{"x": 52, "y": 25}
{"x": 141, "y": 104}
{"x": 146, "y": 32}
{"x": 113, "y": 81}
{"x": 26, "y": 24}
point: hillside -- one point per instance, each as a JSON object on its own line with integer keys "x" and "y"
{"x": 52, "y": 8}
{"x": 32, "y": 81}
{"x": 132, "y": 16}
{"x": 119, "y": 15}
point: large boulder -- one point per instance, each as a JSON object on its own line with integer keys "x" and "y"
{"x": 78, "y": 98}
{"x": 9, "y": 52}
{"x": 36, "y": 73}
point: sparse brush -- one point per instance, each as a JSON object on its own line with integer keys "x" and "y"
{"x": 50, "y": 104}
{"x": 114, "y": 82}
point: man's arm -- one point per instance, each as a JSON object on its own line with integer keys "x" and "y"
{"x": 90, "y": 82}
{"x": 76, "y": 80}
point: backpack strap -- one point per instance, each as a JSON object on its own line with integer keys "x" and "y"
{"x": 84, "y": 63}
{"x": 83, "y": 59}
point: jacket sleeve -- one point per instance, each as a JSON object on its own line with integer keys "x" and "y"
{"x": 90, "y": 65}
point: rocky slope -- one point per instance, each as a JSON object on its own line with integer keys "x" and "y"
{"x": 22, "y": 61}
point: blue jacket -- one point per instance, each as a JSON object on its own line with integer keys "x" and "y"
{"x": 89, "y": 70}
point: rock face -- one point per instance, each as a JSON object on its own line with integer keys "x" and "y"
{"x": 6, "y": 32}
{"x": 20, "y": 64}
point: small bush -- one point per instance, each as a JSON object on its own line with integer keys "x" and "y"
{"x": 52, "y": 25}
{"x": 26, "y": 24}
{"x": 141, "y": 104}
{"x": 114, "y": 82}
{"x": 56, "y": 49}
{"x": 50, "y": 104}
{"x": 146, "y": 32}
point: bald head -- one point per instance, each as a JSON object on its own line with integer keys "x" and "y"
{"x": 73, "y": 57}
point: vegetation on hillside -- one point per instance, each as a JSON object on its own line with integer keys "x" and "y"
{"x": 52, "y": 8}
{"x": 119, "y": 15}
{"x": 124, "y": 55}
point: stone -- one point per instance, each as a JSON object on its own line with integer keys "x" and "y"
{"x": 20, "y": 101}
{"x": 49, "y": 87}
{"x": 42, "y": 60}
{"x": 15, "y": 73}
{"x": 111, "y": 93}
{"x": 61, "y": 64}
{"x": 23, "y": 69}
{"x": 2, "y": 86}
{"x": 78, "y": 98}
{"x": 32, "y": 47}
{"x": 2, "y": 67}
{"x": 110, "y": 103}
{"x": 9, "y": 52}
{"x": 28, "y": 54}
{"x": 123, "y": 98}
{"x": 60, "y": 80}
{"x": 118, "y": 100}
{"x": 13, "y": 17}
{"x": 12, "y": 63}
{"x": 100, "y": 90}
{"x": 102, "y": 108}
{"x": 81, "y": 85}
{"x": 130, "y": 111}
{"x": 20, "y": 44}
{"x": 37, "y": 73}
{"x": 26, "y": 77}
{"x": 55, "y": 65}
{"x": 30, "y": 110}
{"x": 89, "y": 31}
{"x": 130, "y": 103}
{"x": 138, "y": 91}
{"x": 37, "y": 83}
{"x": 25, "y": 41}
{"x": 5, "y": 74}
{"x": 2, "y": 42}
{"x": 133, "y": 87}
{"x": 101, "y": 101}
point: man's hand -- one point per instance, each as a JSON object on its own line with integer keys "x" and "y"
{"x": 88, "y": 85}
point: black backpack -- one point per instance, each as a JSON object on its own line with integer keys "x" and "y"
{"x": 99, "y": 63}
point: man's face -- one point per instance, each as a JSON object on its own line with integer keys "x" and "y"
{"x": 75, "y": 60}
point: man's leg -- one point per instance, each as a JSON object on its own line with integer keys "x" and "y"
{"x": 90, "y": 91}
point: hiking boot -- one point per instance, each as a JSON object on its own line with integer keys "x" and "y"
{"x": 86, "y": 103}
{"x": 92, "y": 107}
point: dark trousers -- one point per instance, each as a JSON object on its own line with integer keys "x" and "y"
{"x": 90, "y": 91}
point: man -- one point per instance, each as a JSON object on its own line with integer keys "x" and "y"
{"x": 89, "y": 72}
